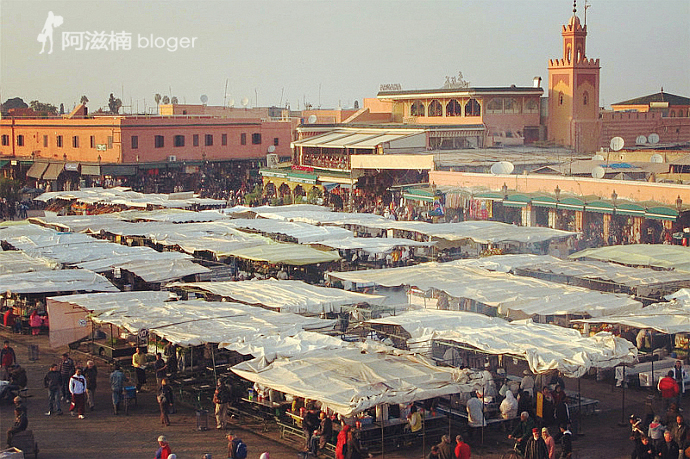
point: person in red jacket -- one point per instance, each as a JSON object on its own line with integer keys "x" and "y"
{"x": 668, "y": 388}
{"x": 462, "y": 449}
{"x": 340, "y": 444}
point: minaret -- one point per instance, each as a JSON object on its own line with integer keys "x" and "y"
{"x": 574, "y": 92}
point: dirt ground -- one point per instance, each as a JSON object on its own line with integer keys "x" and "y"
{"x": 104, "y": 435}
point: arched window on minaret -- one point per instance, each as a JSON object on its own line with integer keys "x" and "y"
{"x": 585, "y": 98}
{"x": 579, "y": 54}
{"x": 568, "y": 53}
{"x": 560, "y": 98}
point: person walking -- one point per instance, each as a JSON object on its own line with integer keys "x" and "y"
{"x": 669, "y": 448}
{"x": 117, "y": 384}
{"x": 550, "y": 442}
{"x": 679, "y": 375}
{"x": 342, "y": 440}
{"x": 221, "y": 398}
{"x": 91, "y": 375}
{"x": 165, "y": 400}
{"x": 668, "y": 388}
{"x": 237, "y": 449}
{"x": 536, "y": 447}
{"x": 164, "y": 451}
{"x": 67, "y": 369}
{"x": 7, "y": 359}
{"x": 139, "y": 364}
{"x": 77, "y": 387}
{"x": 462, "y": 449}
{"x": 566, "y": 442}
{"x": 53, "y": 382}
{"x": 160, "y": 368}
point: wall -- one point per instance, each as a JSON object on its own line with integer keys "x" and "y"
{"x": 635, "y": 191}
{"x": 630, "y": 125}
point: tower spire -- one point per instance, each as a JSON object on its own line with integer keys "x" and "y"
{"x": 574, "y": 7}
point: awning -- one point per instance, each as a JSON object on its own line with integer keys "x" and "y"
{"x": 118, "y": 170}
{"x": 517, "y": 200}
{"x": 364, "y": 139}
{"x": 544, "y": 201}
{"x": 36, "y": 170}
{"x": 90, "y": 169}
{"x": 630, "y": 209}
{"x": 571, "y": 204}
{"x": 491, "y": 195}
{"x": 72, "y": 167}
{"x": 4, "y": 162}
{"x": 602, "y": 207}
{"x": 330, "y": 186}
{"x": 54, "y": 170}
{"x": 417, "y": 197}
{"x": 661, "y": 213}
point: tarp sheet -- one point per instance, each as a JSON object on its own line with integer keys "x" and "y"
{"x": 14, "y": 262}
{"x": 190, "y": 323}
{"x": 545, "y": 347}
{"x": 65, "y": 280}
{"x": 286, "y": 254}
{"x": 655, "y": 255}
{"x": 349, "y": 380}
{"x": 282, "y": 295}
{"x": 159, "y": 271}
{"x": 271, "y": 347}
{"x": 302, "y": 232}
{"x": 372, "y": 244}
{"x": 127, "y": 197}
{"x": 668, "y": 318}
{"x": 515, "y": 296}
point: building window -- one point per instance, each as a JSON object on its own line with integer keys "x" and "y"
{"x": 20, "y": 140}
{"x": 453, "y": 108}
{"x": 75, "y": 141}
{"x": 195, "y": 140}
{"x": 208, "y": 140}
{"x": 531, "y": 106}
{"x": 585, "y": 98}
{"x": 256, "y": 139}
{"x": 243, "y": 138}
{"x": 224, "y": 139}
{"x": 673, "y": 115}
{"x": 417, "y": 108}
{"x": 276, "y": 141}
{"x": 495, "y": 105}
{"x": 93, "y": 141}
{"x": 135, "y": 142}
{"x": 58, "y": 141}
{"x": 511, "y": 106}
{"x": 560, "y": 98}
{"x": 45, "y": 141}
{"x": 159, "y": 141}
{"x": 178, "y": 141}
{"x": 5, "y": 140}
{"x": 435, "y": 108}
{"x": 472, "y": 108}
{"x": 110, "y": 142}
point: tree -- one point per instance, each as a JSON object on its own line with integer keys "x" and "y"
{"x": 174, "y": 100}
{"x": 84, "y": 100}
{"x": 157, "y": 98}
{"x": 114, "y": 104}
{"x": 43, "y": 109}
{"x": 16, "y": 102}
{"x": 356, "y": 105}
{"x": 62, "y": 109}
{"x": 166, "y": 100}
{"x": 9, "y": 189}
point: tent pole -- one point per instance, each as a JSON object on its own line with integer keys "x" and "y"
{"x": 383, "y": 437}
{"x": 623, "y": 423}
{"x": 450, "y": 414}
{"x": 423, "y": 434}
{"x": 579, "y": 410}
{"x": 213, "y": 358}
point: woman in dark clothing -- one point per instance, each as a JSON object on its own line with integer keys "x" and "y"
{"x": 165, "y": 401}
{"x": 353, "y": 448}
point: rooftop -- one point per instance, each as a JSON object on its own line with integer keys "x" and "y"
{"x": 662, "y": 96}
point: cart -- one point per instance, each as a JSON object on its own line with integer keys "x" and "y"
{"x": 130, "y": 397}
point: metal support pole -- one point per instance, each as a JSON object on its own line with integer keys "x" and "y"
{"x": 579, "y": 409}
{"x": 623, "y": 423}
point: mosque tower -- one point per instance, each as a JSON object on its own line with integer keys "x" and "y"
{"x": 573, "y": 118}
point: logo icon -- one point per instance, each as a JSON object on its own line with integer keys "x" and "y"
{"x": 46, "y": 34}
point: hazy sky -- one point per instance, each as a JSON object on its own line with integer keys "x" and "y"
{"x": 289, "y": 49}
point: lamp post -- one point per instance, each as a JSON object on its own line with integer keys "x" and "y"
{"x": 679, "y": 204}
{"x": 504, "y": 189}
{"x": 614, "y": 199}
{"x": 557, "y": 192}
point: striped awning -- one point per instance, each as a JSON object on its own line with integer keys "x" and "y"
{"x": 36, "y": 170}
{"x": 53, "y": 171}
{"x": 90, "y": 169}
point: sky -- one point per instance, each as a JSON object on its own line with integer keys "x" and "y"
{"x": 326, "y": 53}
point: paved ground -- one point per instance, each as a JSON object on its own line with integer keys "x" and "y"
{"x": 104, "y": 435}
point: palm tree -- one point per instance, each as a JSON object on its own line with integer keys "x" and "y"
{"x": 157, "y": 98}
{"x": 174, "y": 100}
{"x": 166, "y": 100}
{"x": 84, "y": 100}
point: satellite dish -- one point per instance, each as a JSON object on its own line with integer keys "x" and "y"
{"x": 231, "y": 103}
{"x": 245, "y": 102}
{"x": 204, "y": 99}
{"x": 312, "y": 119}
{"x": 656, "y": 158}
{"x": 271, "y": 149}
{"x": 617, "y": 144}
{"x": 502, "y": 168}
{"x": 653, "y": 138}
{"x": 598, "y": 172}
{"x": 597, "y": 158}
{"x": 640, "y": 140}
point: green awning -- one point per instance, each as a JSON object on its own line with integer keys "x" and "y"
{"x": 517, "y": 200}
{"x": 661, "y": 213}
{"x": 417, "y": 197}
{"x": 544, "y": 201}
{"x": 571, "y": 204}
{"x": 602, "y": 207}
{"x": 630, "y": 209}
{"x": 90, "y": 169}
{"x": 118, "y": 170}
{"x": 492, "y": 195}
{"x": 4, "y": 162}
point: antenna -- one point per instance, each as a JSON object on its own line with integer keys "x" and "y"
{"x": 204, "y": 99}
{"x": 502, "y": 168}
{"x": 640, "y": 140}
{"x": 617, "y": 144}
{"x": 225, "y": 92}
{"x": 587, "y": 5}
{"x": 653, "y": 138}
{"x": 598, "y": 172}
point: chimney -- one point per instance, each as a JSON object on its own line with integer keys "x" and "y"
{"x": 536, "y": 82}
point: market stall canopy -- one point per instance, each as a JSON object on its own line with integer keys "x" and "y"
{"x": 545, "y": 347}
{"x": 350, "y": 380}
{"x": 129, "y": 198}
{"x": 160, "y": 271}
{"x": 286, "y": 254}
{"x": 64, "y": 280}
{"x": 190, "y": 323}
{"x": 667, "y": 318}
{"x": 271, "y": 347}
{"x": 515, "y": 296}
{"x": 655, "y": 255}
{"x": 302, "y": 232}
{"x": 282, "y": 295}
{"x": 372, "y": 244}
{"x": 14, "y": 262}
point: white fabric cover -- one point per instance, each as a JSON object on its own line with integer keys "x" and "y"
{"x": 545, "y": 347}
{"x": 65, "y": 280}
{"x": 14, "y": 262}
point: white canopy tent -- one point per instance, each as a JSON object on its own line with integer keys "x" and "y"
{"x": 14, "y": 262}
{"x": 271, "y": 347}
{"x": 515, "y": 296}
{"x": 125, "y": 196}
{"x": 545, "y": 347}
{"x": 282, "y": 295}
{"x": 668, "y": 318}
{"x": 64, "y": 280}
{"x": 350, "y": 380}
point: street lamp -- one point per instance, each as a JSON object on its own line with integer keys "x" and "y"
{"x": 614, "y": 198}
{"x": 557, "y": 192}
{"x": 504, "y": 189}
{"x": 679, "y": 204}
